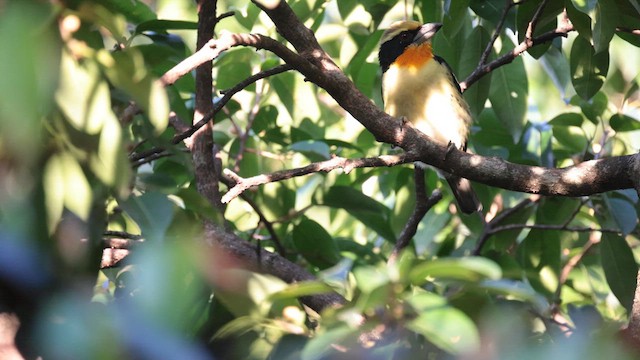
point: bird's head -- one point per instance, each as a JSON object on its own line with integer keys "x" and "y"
{"x": 402, "y": 35}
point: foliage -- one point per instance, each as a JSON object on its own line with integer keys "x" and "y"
{"x": 544, "y": 283}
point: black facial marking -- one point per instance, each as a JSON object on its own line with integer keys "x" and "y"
{"x": 391, "y": 49}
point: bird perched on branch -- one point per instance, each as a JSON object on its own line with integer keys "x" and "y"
{"x": 421, "y": 88}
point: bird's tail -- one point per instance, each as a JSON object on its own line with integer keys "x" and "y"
{"x": 467, "y": 199}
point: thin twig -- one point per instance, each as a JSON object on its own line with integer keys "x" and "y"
{"x": 507, "y": 58}
{"x": 423, "y": 205}
{"x": 242, "y": 184}
{"x": 574, "y": 261}
{"x": 552, "y": 227}
{"x": 136, "y": 157}
{"x": 489, "y": 226}
{"x": 227, "y": 96}
{"x": 487, "y": 51}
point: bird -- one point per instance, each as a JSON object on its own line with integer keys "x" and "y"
{"x": 420, "y": 87}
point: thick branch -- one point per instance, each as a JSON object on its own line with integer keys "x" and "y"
{"x": 270, "y": 263}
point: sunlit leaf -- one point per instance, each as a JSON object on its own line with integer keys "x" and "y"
{"x": 126, "y": 70}
{"x": 470, "y": 269}
{"x": 445, "y": 326}
{"x": 362, "y": 207}
{"x": 588, "y": 69}
{"x": 321, "y": 347}
{"x": 621, "y": 122}
{"x": 301, "y": 289}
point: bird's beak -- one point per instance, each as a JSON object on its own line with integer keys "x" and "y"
{"x": 426, "y": 32}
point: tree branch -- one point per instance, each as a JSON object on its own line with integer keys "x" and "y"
{"x": 270, "y": 263}
{"x": 242, "y": 184}
{"x": 423, "y": 205}
{"x": 525, "y": 45}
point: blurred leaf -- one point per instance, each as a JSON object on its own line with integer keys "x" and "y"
{"x": 567, "y": 119}
{"x": 315, "y": 244}
{"x": 365, "y": 209}
{"x": 469, "y": 269}
{"x": 446, "y": 327}
{"x": 323, "y": 345}
{"x": 83, "y": 95}
{"x": 126, "y": 70}
{"x": 136, "y": 11}
{"x": 516, "y": 290}
{"x": 370, "y": 278}
{"x": 152, "y": 212}
{"x": 299, "y": 289}
{"x": 588, "y": 69}
{"x": 245, "y": 292}
{"x": 312, "y": 148}
{"x": 571, "y": 138}
{"x": 620, "y": 268}
{"x": 621, "y": 123}
{"x": 164, "y": 25}
{"x": 509, "y": 90}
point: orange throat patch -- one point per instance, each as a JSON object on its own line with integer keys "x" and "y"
{"x": 415, "y": 56}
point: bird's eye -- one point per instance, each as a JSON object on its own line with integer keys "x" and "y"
{"x": 405, "y": 37}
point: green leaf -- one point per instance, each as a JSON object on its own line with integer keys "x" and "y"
{"x": 508, "y": 96}
{"x": 455, "y": 16}
{"x": 299, "y": 289}
{"x": 621, "y": 123}
{"x": 468, "y": 269}
{"x": 365, "y": 209}
{"x": 478, "y": 93}
{"x": 605, "y": 24}
{"x": 571, "y": 138}
{"x": 516, "y": 290}
{"x": 546, "y": 22}
{"x": 620, "y": 268}
{"x": 315, "y": 244}
{"x": 126, "y": 70}
{"x": 580, "y": 19}
{"x": 152, "y": 212}
{"x": 567, "y": 119}
{"x": 323, "y": 345}
{"x": 588, "y": 69}
{"x": 446, "y": 327}
{"x": 492, "y": 10}
{"x": 623, "y": 212}
{"x": 585, "y": 6}
{"x": 164, "y": 25}
{"x": 556, "y": 65}
{"x": 369, "y": 278}
{"x": 135, "y": 11}
{"x": 312, "y": 148}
